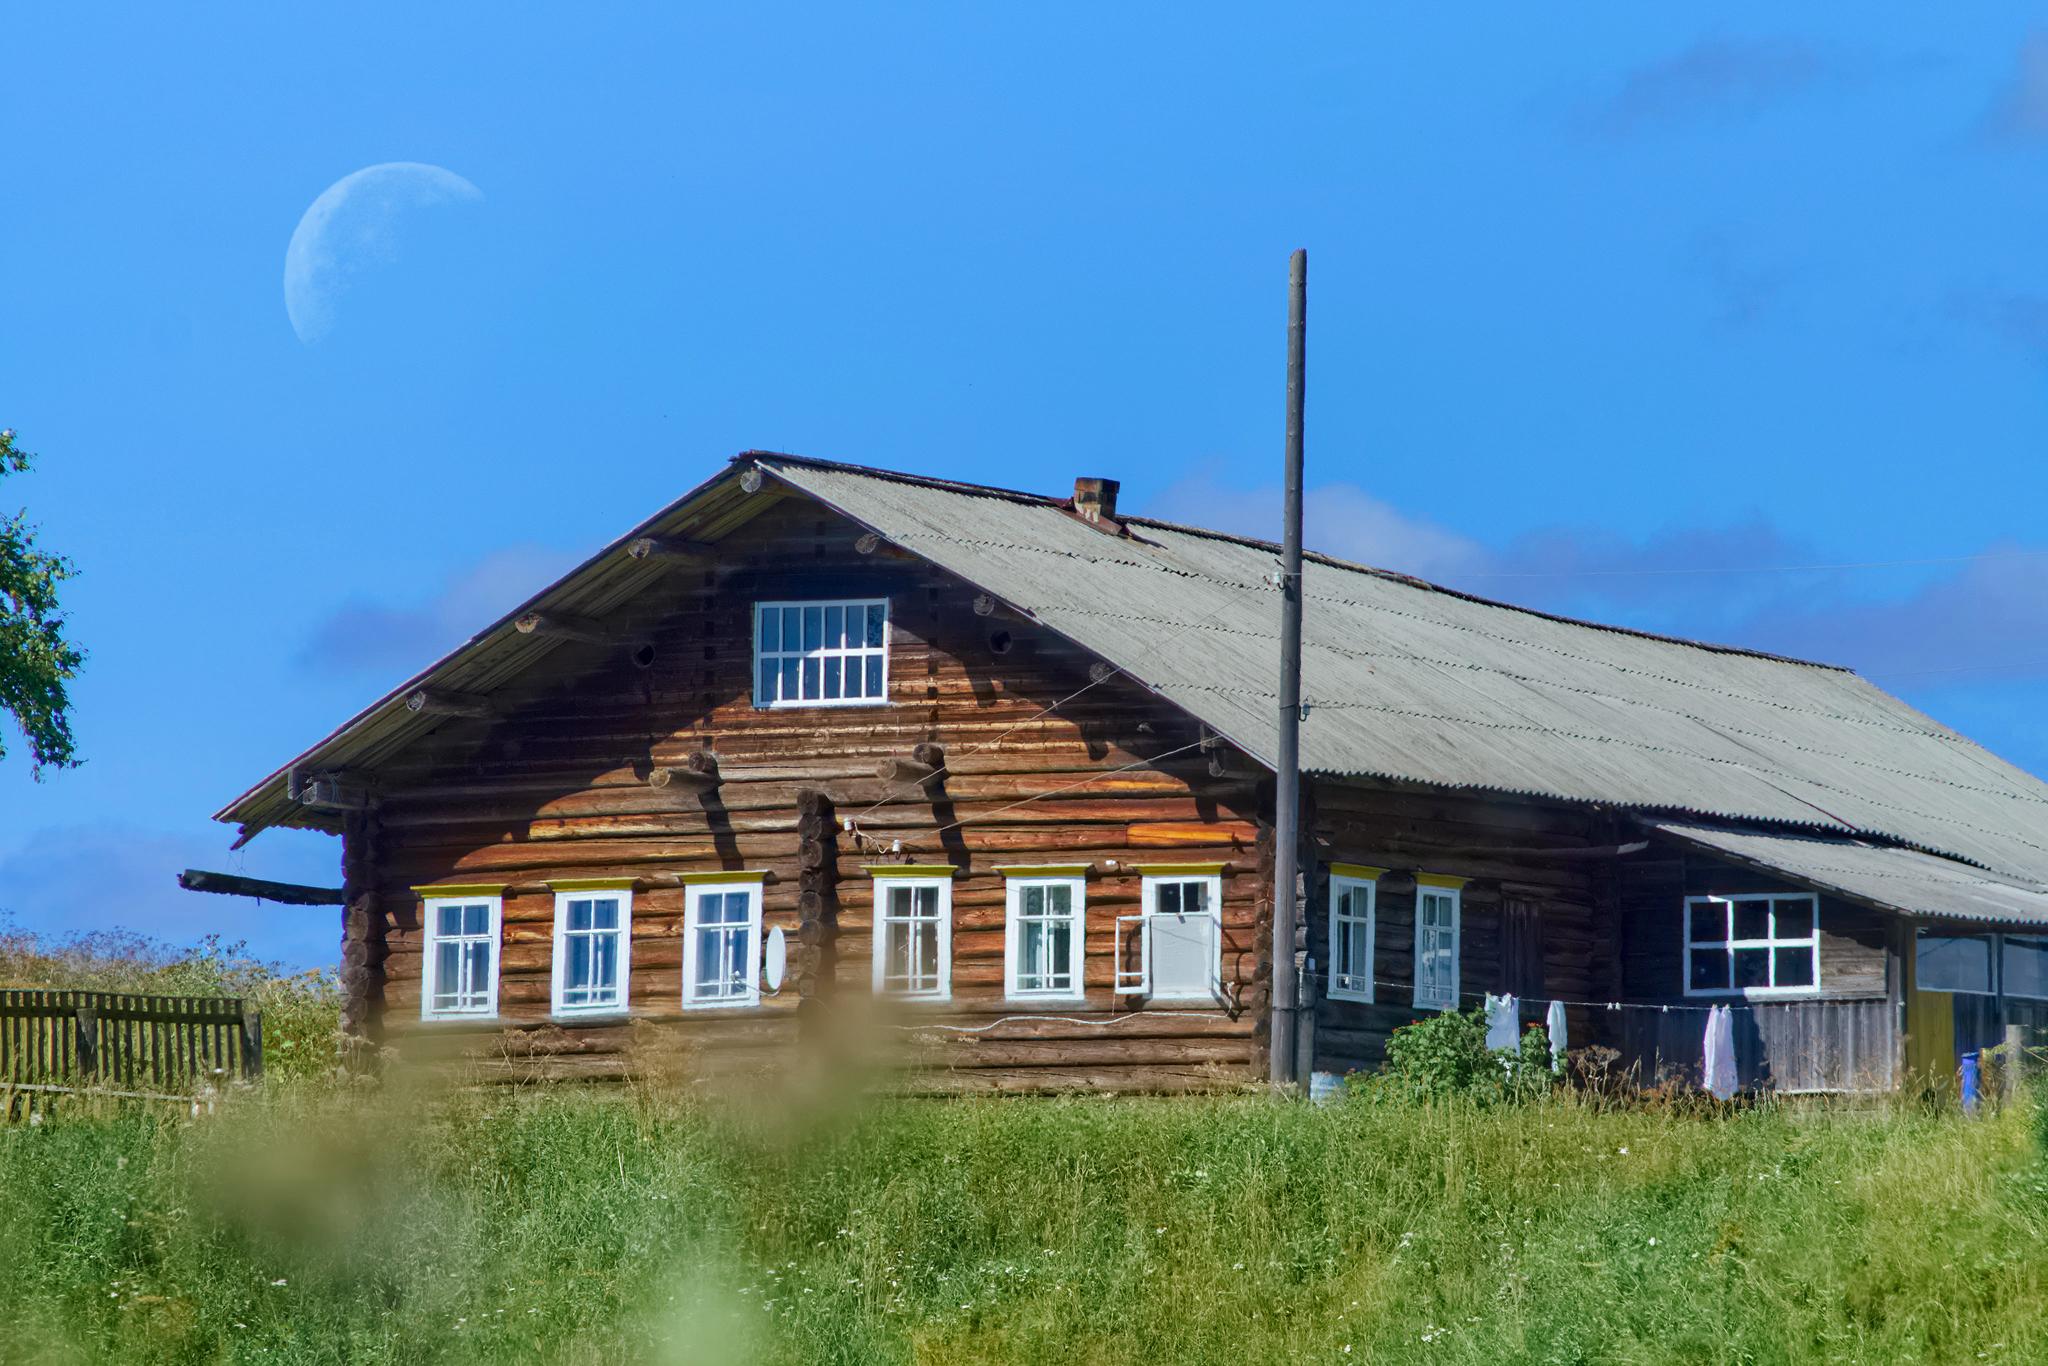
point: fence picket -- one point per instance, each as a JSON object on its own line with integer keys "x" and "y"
{"x": 63, "y": 1038}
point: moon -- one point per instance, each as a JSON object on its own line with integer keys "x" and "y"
{"x": 352, "y": 225}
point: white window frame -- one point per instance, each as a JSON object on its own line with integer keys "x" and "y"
{"x": 943, "y": 989}
{"x": 430, "y": 985}
{"x": 1771, "y": 945}
{"x": 860, "y": 654}
{"x": 1456, "y": 895}
{"x": 1013, "y": 935}
{"x": 561, "y": 958}
{"x": 1342, "y": 985}
{"x": 1150, "y": 891}
{"x": 693, "y": 902}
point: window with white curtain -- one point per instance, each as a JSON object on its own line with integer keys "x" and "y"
{"x": 1437, "y": 912}
{"x": 461, "y": 957}
{"x": 722, "y": 944}
{"x": 1044, "y": 940}
{"x": 1351, "y": 936}
{"x": 914, "y": 937}
{"x": 593, "y": 946}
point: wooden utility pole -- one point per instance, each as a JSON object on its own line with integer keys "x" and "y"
{"x": 1287, "y": 787}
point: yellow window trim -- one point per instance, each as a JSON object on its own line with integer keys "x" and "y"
{"x": 910, "y": 870}
{"x": 737, "y": 875}
{"x": 1444, "y": 880}
{"x": 1179, "y": 869}
{"x": 590, "y": 884}
{"x": 1043, "y": 869}
{"x": 1358, "y": 872}
{"x": 445, "y": 890}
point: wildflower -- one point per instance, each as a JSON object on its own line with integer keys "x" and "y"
{"x": 1622, "y": 1151}
{"x": 278, "y": 1281}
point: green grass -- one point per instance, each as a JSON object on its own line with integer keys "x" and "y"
{"x": 315, "y": 1224}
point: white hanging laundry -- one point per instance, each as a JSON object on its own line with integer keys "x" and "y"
{"x": 1720, "y": 1053}
{"x": 1503, "y": 1032}
{"x": 1553, "y": 1024}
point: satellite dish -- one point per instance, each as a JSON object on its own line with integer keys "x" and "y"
{"x": 777, "y": 959}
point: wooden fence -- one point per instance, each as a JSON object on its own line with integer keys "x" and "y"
{"x": 158, "y": 1045}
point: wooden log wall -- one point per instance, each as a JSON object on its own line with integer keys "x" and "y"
{"x": 364, "y": 945}
{"x": 556, "y": 785}
{"x": 1844, "y": 1038}
{"x": 1500, "y": 845}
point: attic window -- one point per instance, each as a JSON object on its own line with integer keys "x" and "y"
{"x": 821, "y": 654}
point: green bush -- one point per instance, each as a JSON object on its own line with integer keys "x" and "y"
{"x": 1446, "y": 1055}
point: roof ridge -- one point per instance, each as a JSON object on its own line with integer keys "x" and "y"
{"x": 1318, "y": 556}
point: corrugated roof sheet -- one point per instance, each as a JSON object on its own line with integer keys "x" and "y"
{"x": 1409, "y": 681}
{"x": 1891, "y": 878}
{"x": 1404, "y": 680}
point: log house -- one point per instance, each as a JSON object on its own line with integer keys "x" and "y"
{"x": 817, "y": 735}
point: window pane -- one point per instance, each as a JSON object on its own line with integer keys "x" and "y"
{"x": 447, "y": 972}
{"x": 1954, "y": 963}
{"x": 874, "y": 681}
{"x": 927, "y": 954}
{"x": 2026, "y": 967}
{"x": 1031, "y": 901}
{"x": 1794, "y": 967}
{"x": 769, "y": 674}
{"x": 1031, "y": 955}
{"x": 604, "y": 915}
{"x": 835, "y": 627}
{"x": 814, "y": 627}
{"x": 1752, "y": 920}
{"x": 709, "y": 967}
{"x": 791, "y": 669}
{"x": 1709, "y": 970}
{"x": 1059, "y": 898}
{"x": 1183, "y": 955}
{"x": 1168, "y": 902}
{"x": 877, "y": 621}
{"x": 576, "y": 972}
{"x": 1794, "y": 919}
{"x": 832, "y": 665}
{"x": 1709, "y": 922}
{"x": 579, "y": 915}
{"x": 1752, "y": 967}
{"x": 1058, "y": 953}
{"x": 604, "y": 962}
{"x": 476, "y": 919}
{"x": 926, "y": 900}
{"x": 448, "y": 920}
{"x": 771, "y": 629}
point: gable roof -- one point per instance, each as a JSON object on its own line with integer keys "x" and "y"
{"x": 1403, "y": 679}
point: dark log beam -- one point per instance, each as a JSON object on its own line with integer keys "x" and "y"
{"x": 333, "y": 794}
{"x": 437, "y": 702}
{"x": 924, "y": 767}
{"x": 672, "y": 550}
{"x": 699, "y": 771}
{"x": 558, "y": 626}
{"x": 232, "y": 884}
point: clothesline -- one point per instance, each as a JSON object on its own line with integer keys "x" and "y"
{"x": 1660, "y": 1007}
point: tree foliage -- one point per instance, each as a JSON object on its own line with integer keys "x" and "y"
{"x": 36, "y": 661}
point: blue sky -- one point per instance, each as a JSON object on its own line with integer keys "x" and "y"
{"x": 1615, "y": 311}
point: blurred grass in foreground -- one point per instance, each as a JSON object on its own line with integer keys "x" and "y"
{"x": 314, "y": 1224}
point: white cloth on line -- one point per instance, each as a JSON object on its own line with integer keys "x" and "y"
{"x": 1553, "y": 1024}
{"x": 1719, "y": 1050}
{"x": 1503, "y": 1030}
